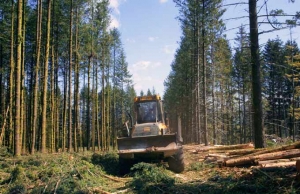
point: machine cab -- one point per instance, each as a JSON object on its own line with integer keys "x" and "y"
{"x": 148, "y": 109}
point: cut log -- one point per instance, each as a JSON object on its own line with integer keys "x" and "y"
{"x": 279, "y": 164}
{"x": 272, "y": 161}
{"x": 277, "y": 161}
{"x": 241, "y": 152}
{"x": 232, "y": 147}
{"x": 217, "y": 155}
{"x": 279, "y": 155}
{"x": 295, "y": 159}
{"x": 246, "y": 160}
{"x": 219, "y": 148}
{"x": 239, "y": 161}
{"x": 216, "y": 151}
{"x": 282, "y": 148}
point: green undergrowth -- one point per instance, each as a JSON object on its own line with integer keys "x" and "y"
{"x": 88, "y": 172}
{"x": 150, "y": 178}
{"x": 108, "y": 161}
{"x": 198, "y": 166}
{"x": 54, "y": 173}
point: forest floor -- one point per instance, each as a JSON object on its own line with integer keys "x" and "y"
{"x": 87, "y": 172}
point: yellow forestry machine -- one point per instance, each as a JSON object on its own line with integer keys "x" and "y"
{"x": 149, "y": 138}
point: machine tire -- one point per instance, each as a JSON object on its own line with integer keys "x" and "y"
{"x": 124, "y": 165}
{"x": 176, "y": 162}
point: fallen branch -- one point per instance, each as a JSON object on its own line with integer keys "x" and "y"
{"x": 114, "y": 179}
{"x": 56, "y": 186}
{"x": 109, "y": 177}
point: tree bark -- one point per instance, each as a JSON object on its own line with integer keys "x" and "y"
{"x": 17, "y": 119}
{"x": 256, "y": 82}
{"x": 45, "y": 82}
{"x": 277, "y": 161}
{"x": 279, "y": 164}
{"x": 11, "y": 80}
{"x": 70, "y": 138}
{"x": 204, "y": 77}
{"x": 36, "y": 74}
{"x": 76, "y": 85}
{"x": 268, "y": 156}
{"x": 22, "y": 101}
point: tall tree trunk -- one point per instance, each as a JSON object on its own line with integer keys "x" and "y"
{"x": 36, "y": 74}
{"x": 11, "y": 80}
{"x": 103, "y": 106}
{"x": 198, "y": 99}
{"x": 94, "y": 106}
{"x": 213, "y": 98}
{"x": 256, "y": 82}
{"x": 204, "y": 77}
{"x": 45, "y": 82}
{"x": 17, "y": 121}
{"x": 70, "y": 144}
{"x": 22, "y": 114}
{"x": 88, "y": 107}
{"x": 114, "y": 112}
{"x": 108, "y": 119}
{"x": 97, "y": 128}
{"x": 76, "y": 85}
{"x": 64, "y": 112}
{"x": 58, "y": 129}
{"x": 244, "y": 112}
{"x": 53, "y": 109}
{"x": 2, "y": 98}
{"x": 52, "y": 99}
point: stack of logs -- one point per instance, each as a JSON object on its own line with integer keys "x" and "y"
{"x": 246, "y": 155}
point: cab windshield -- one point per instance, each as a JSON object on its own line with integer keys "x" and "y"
{"x": 146, "y": 112}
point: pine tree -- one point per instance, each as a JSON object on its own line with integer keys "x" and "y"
{"x": 256, "y": 82}
{"x": 45, "y": 81}
{"x": 17, "y": 117}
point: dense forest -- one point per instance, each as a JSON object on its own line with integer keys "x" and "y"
{"x": 227, "y": 95}
{"x": 64, "y": 81}
{"x": 65, "y": 84}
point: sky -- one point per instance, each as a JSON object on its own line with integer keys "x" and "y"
{"x": 150, "y": 33}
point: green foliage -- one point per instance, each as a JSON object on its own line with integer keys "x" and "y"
{"x": 16, "y": 174}
{"x": 4, "y": 152}
{"x": 270, "y": 143}
{"x": 17, "y": 189}
{"x": 198, "y": 166}
{"x": 59, "y": 173}
{"x": 108, "y": 161}
{"x": 148, "y": 178}
{"x": 34, "y": 162}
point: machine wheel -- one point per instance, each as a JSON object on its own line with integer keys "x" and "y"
{"x": 124, "y": 165}
{"x": 176, "y": 162}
